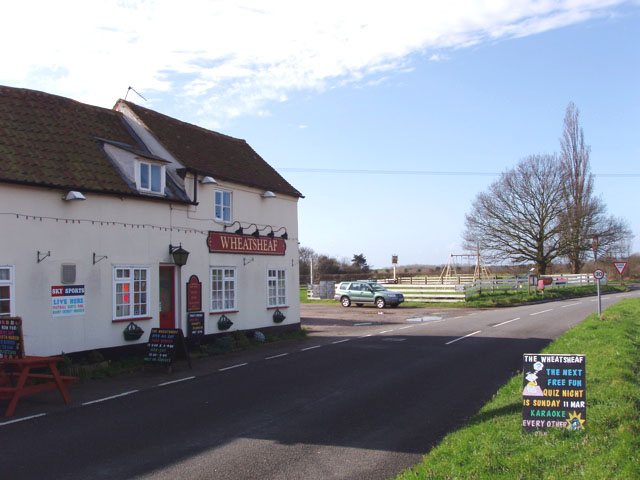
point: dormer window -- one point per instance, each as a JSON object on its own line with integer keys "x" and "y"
{"x": 151, "y": 178}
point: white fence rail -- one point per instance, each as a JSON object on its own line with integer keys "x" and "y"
{"x": 431, "y": 292}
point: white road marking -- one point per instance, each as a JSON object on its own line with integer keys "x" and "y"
{"x": 341, "y": 341}
{"x": 277, "y": 356}
{"x": 310, "y": 348}
{"x": 22, "y": 419}
{"x": 455, "y": 318}
{"x": 543, "y": 311}
{"x": 571, "y": 305}
{"x": 508, "y": 321}
{"x": 461, "y": 338}
{"x": 385, "y": 331}
{"x": 176, "y": 381}
{"x": 109, "y": 398}
{"x": 403, "y": 328}
{"x": 234, "y": 366}
{"x": 360, "y": 324}
{"x": 365, "y": 336}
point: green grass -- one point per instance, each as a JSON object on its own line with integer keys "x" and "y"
{"x": 492, "y": 445}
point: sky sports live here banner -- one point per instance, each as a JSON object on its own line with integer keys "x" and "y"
{"x": 67, "y": 300}
{"x": 554, "y": 392}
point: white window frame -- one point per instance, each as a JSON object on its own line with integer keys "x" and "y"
{"x": 10, "y": 282}
{"x": 276, "y": 287}
{"x": 220, "y": 216}
{"x": 225, "y": 303}
{"x": 149, "y": 187}
{"x": 130, "y": 280}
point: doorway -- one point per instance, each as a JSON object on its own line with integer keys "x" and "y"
{"x": 167, "y": 297}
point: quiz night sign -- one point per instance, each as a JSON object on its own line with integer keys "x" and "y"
{"x": 67, "y": 300}
{"x": 554, "y": 392}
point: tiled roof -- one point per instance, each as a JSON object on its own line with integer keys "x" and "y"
{"x": 211, "y": 153}
{"x": 52, "y": 141}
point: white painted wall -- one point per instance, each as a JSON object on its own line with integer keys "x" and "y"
{"x": 73, "y": 231}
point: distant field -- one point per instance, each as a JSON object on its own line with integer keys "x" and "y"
{"x": 502, "y": 299}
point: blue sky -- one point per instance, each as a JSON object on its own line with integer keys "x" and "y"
{"x": 390, "y": 122}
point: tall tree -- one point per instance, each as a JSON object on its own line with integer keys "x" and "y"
{"x": 360, "y": 262}
{"x": 517, "y": 219}
{"x": 584, "y": 217}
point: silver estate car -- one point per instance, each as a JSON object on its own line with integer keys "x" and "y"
{"x": 366, "y": 292}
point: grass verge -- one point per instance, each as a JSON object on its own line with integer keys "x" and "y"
{"x": 492, "y": 445}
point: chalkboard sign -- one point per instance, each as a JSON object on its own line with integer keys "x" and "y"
{"x": 195, "y": 324}
{"x": 194, "y": 294}
{"x": 554, "y": 392}
{"x": 163, "y": 345}
{"x": 11, "y": 339}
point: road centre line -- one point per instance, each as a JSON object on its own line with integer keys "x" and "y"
{"x": 233, "y": 366}
{"x": 385, "y": 331}
{"x": 276, "y": 356}
{"x": 571, "y": 305}
{"x": 31, "y": 417}
{"x": 508, "y": 321}
{"x": 110, "y": 398}
{"x": 538, "y": 313}
{"x": 341, "y": 341}
{"x": 408, "y": 326}
{"x": 176, "y": 381}
{"x": 461, "y": 338}
{"x": 310, "y": 348}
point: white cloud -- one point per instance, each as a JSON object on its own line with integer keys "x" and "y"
{"x": 231, "y": 58}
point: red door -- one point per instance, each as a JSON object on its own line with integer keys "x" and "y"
{"x": 167, "y": 296}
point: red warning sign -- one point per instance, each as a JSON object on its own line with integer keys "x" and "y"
{"x": 620, "y": 266}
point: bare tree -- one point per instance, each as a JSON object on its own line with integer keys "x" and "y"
{"x": 517, "y": 219}
{"x": 584, "y": 217}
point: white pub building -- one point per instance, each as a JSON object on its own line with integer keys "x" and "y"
{"x": 110, "y": 218}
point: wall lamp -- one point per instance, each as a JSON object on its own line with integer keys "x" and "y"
{"x": 256, "y": 233}
{"x": 268, "y": 194}
{"x": 179, "y": 255}
{"x": 74, "y": 195}
{"x": 285, "y": 235}
{"x": 206, "y": 180}
{"x": 239, "y": 231}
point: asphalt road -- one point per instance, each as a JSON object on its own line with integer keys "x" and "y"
{"x": 364, "y": 396}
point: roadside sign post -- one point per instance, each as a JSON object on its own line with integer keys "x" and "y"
{"x": 599, "y": 275}
{"x": 394, "y": 261}
{"x": 620, "y": 267}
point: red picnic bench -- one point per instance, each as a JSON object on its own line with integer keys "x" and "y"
{"x": 17, "y": 375}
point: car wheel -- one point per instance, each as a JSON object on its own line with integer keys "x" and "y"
{"x": 346, "y": 301}
{"x": 359, "y": 304}
{"x": 380, "y": 303}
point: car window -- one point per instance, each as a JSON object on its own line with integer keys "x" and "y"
{"x": 378, "y": 288}
{"x": 356, "y": 287}
{"x": 343, "y": 286}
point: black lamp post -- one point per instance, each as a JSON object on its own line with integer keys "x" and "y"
{"x": 179, "y": 254}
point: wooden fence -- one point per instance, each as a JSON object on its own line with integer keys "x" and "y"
{"x": 430, "y": 291}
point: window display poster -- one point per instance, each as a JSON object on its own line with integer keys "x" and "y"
{"x": 67, "y": 300}
{"x": 554, "y": 392}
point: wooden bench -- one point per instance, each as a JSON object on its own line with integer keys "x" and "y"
{"x": 16, "y": 384}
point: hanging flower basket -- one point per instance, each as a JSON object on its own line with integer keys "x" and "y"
{"x": 132, "y": 332}
{"x": 224, "y": 323}
{"x": 278, "y": 316}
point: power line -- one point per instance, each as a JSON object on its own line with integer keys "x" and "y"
{"x": 422, "y": 172}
